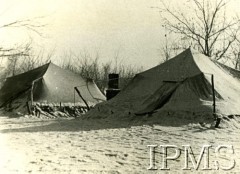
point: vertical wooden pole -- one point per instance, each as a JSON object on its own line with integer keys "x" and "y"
{"x": 32, "y": 93}
{"x": 28, "y": 108}
{"x": 213, "y": 93}
{"x": 74, "y": 96}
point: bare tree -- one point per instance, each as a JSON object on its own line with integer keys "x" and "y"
{"x": 24, "y": 62}
{"x": 234, "y": 56}
{"x": 31, "y": 24}
{"x": 167, "y": 49}
{"x": 21, "y": 58}
{"x": 207, "y": 27}
{"x": 171, "y": 47}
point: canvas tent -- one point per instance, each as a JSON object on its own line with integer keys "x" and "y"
{"x": 50, "y": 84}
{"x": 182, "y": 84}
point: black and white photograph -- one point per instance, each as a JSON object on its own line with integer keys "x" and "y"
{"x": 119, "y": 86}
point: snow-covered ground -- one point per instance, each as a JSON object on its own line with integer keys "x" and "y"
{"x": 33, "y": 145}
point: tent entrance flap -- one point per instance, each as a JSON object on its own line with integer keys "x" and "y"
{"x": 158, "y": 98}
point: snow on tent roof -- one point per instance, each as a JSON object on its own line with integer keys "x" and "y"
{"x": 50, "y": 84}
{"x": 181, "y": 84}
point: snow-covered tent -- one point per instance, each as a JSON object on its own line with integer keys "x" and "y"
{"x": 182, "y": 84}
{"x": 50, "y": 84}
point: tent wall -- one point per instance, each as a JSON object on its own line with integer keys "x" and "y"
{"x": 50, "y": 84}
{"x": 146, "y": 93}
{"x": 58, "y": 86}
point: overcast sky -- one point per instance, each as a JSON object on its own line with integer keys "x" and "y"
{"x": 128, "y": 27}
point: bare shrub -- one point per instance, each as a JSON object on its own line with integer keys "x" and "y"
{"x": 90, "y": 66}
{"x": 25, "y": 60}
